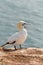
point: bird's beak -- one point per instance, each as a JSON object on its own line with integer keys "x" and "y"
{"x": 28, "y": 23}
{"x": 25, "y": 26}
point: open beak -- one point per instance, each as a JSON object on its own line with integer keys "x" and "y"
{"x": 26, "y": 24}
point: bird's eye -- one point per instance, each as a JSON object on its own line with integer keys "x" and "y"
{"x": 23, "y": 24}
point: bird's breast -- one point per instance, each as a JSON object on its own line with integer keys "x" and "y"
{"x": 22, "y": 38}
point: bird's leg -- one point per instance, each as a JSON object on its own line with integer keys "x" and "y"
{"x": 20, "y": 46}
{"x": 15, "y": 47}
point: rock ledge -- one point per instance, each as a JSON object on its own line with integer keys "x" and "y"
{"x": 28, "y": 56}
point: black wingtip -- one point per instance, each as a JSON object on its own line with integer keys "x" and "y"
{"x": 5, "y": 44}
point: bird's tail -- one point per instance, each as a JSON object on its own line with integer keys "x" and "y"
{"x": 5, "y": 44}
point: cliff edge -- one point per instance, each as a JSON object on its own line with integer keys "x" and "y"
{"x": 28, "y": 56}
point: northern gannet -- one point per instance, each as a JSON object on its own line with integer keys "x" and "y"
{"x": 19, "y": 37}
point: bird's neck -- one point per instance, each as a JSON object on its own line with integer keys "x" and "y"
{"x": 23, "y": 29}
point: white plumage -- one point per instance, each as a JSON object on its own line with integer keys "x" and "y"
{"x": 18, "y": 37}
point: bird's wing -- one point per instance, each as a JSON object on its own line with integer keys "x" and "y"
{"x": 14, "y": 37}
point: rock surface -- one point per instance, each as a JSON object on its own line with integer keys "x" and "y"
{"x": 28, "y": 56}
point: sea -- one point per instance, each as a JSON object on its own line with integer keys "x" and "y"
{"x": 30, "y": 11}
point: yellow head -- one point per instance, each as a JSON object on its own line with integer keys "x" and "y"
{"x": 20, "y": 25}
